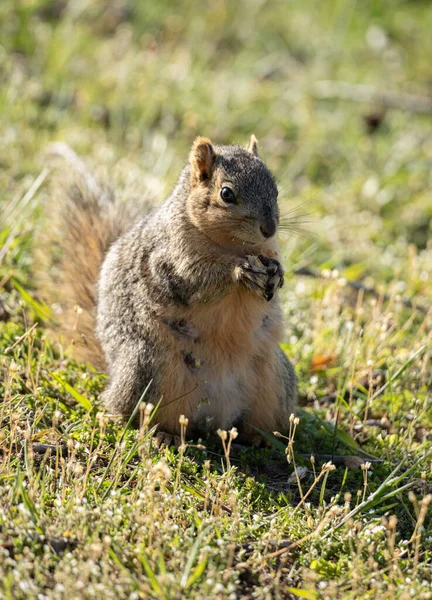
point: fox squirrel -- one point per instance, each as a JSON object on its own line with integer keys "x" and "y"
{"x": 184, "y": 297}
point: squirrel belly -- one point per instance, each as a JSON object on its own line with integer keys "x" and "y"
{"x": 216, "y": 361}
{"x": 238, "y": 337}
{"x": 224, "y": 372}
{"x": 187, "y": 297}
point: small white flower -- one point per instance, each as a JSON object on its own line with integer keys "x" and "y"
{"x": 222, "y": 434}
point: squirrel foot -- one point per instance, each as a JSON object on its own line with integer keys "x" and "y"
{"x": 261, "y": 274}
{"x": 162, "y": 439}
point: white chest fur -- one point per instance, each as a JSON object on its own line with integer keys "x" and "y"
{"x": 222, "y": 399}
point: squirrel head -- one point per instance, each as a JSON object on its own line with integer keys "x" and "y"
{"x": 233, "y": 195}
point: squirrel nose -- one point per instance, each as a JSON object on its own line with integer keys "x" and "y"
{"x": 268, "y": 229}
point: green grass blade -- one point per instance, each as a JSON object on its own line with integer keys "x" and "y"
{"x": 197, "y": 572}
{"x": 151, "y": 575}
{"x": 399, "y": 372}
{"x": 192, "y": 556}
{"x": 308, "y": 594}
{"x": 273, "y": 440}
{"x": 130, "y": 421}
{"x": 42, "y": 311}
{"x": 85, "y": 402}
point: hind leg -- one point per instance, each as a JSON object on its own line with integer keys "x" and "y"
{"x": 131, "y": 372}
{"x": 288, "y": 401}
{"x": 274, "y": 392}
{"x": 171, "y": 384}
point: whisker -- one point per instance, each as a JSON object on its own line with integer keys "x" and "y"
{"x": 294, "y": 211}
{"x": 306, "y": 235}
{"x": 297, "y": 206}
{"x": 295, "y": 222}
{"x": 291, "y": 215}
{"x": 294, "y": 226}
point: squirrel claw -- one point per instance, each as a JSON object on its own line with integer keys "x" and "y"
{"x": 261, "y": 275}
{"x": 254, "y": 269}
{"x": 165, "y": 440}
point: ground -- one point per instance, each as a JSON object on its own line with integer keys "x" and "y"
{"x": 92, "y": 509}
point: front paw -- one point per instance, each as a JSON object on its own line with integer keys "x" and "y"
{"x": 260, "y": 274}
{"x": 275, "y": 274}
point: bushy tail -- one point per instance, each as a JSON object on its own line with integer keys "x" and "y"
{"x": 82, "y": 221}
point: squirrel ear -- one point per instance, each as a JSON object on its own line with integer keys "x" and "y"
{"x": 201, "y": 158}
{"x": 253, "y": 146}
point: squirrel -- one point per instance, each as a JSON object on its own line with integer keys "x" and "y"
{"x": 182, "y": 300}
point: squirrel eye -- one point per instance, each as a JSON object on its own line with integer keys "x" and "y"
{"x": 227, "y": 195}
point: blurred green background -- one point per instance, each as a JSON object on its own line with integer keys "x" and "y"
{"x": 135, "y": 82}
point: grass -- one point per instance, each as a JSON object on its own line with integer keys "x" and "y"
{"x": 90, "y": 508}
